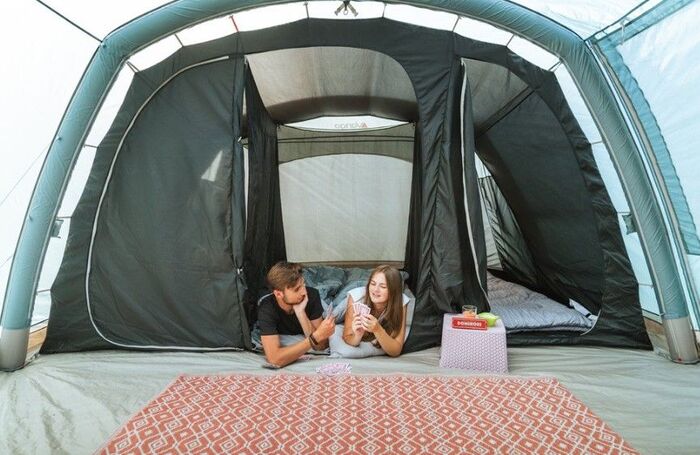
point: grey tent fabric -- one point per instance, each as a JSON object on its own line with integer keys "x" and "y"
{"x": 438, "y": 222}
{"x": 514, "y": 254}
{"x": 308, "y": 82}
{"x": 159, "y": 278}
{"x": 575, "y": 258}
{"x": 492, "y": 87}
{"x": 238, "y": 194}
{"x": 264, "y": 242}
{"x": 294, "y": 143}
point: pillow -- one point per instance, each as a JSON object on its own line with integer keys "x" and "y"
{"x": 522, "y": 309}
{"x": 340, "y": 348}
{"x": 355, "y": 278}
{"x": 410, "y": 307}
{"x": 327, "y": 280}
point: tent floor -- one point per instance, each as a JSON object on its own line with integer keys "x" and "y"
{"x": 72, "y": 403}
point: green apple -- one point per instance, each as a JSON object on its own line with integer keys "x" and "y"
{"x": 490, "y": 318}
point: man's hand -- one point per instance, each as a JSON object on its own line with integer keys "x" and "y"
{"x": 300, "y": 307}
{"x": 325, "y": 329}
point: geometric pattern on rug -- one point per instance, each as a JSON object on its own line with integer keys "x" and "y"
{"x": 365, "y": 414}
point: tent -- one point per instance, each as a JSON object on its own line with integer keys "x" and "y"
{"x": 150, "y": 225}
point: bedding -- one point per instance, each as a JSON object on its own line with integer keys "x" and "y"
{"x": 522, "y": 309}
{"x": 326, "y": 279}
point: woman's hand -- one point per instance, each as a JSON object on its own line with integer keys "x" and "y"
{"x": 357, "y": 326}
{"x": 370, "y": 323}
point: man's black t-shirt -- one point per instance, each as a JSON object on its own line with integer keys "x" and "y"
{"x": 272, "y": 320}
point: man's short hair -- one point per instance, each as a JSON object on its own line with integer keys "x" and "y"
{"x": 284, "y": 275}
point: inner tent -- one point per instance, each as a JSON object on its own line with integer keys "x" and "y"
{"x": 177, "y": 224}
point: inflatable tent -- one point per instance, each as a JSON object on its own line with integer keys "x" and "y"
{"x": 557, "y": 138}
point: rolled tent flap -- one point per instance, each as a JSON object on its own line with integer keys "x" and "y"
{"x": 264, "y": 243}
{"x": 438, "y": 238}
{"x": 475, "y": 263}
{"x": 156, "y": 230}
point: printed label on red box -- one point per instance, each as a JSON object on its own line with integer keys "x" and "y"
{"x": 469, "y": 323}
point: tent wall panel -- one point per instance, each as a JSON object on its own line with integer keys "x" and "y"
{"x": 663, "y": 52}
{"x": 514, "y": 254}
{"x": 475, "y": 263}
{"x": 345, "y": 208}
{"x": 566, "y": 217}
{"x": 159, "y": 278}
{"x": 647, "y": 299}
{"x": 554, "y": 209}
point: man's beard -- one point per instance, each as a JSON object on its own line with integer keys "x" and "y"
{"x": 291, "y": 302}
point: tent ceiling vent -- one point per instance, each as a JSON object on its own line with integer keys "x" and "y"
{"x": 349, "y": 123}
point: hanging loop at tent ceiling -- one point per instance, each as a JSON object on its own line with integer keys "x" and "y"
{"x": 346, "y": 7}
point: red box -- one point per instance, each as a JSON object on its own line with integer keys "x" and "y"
{"x": 469, "y": 323}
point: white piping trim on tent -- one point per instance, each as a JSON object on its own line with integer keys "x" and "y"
{"x": 97, "y": 217}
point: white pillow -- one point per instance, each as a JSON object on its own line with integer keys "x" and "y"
{"x": 340, "y": 348}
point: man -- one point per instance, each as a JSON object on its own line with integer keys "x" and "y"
{"x": 291, "y": 309}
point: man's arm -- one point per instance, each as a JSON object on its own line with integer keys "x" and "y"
{"x": 282, "y": 356}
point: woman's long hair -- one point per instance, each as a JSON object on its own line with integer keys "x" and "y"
{"x": 394, "y": 307}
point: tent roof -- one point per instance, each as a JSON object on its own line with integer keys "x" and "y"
{"x": 584, "y": 18}
{"x": 298, "y": 84}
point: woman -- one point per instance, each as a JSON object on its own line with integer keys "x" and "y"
{"x": 385, "y": 325}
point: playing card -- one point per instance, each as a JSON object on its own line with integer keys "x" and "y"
{"x": 361, "y": 309}
{"x": 328, "y": 311}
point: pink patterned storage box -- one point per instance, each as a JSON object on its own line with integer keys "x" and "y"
{"x": 479, "y": 350}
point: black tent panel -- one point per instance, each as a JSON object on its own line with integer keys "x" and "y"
{"x": 160, "y": 264}
{"x": 540, "y": 177}
{"x": 264, "y": 241}
{"x": 567, "y": 219}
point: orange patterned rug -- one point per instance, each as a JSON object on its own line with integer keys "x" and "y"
{"x": 356, "y": 414}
